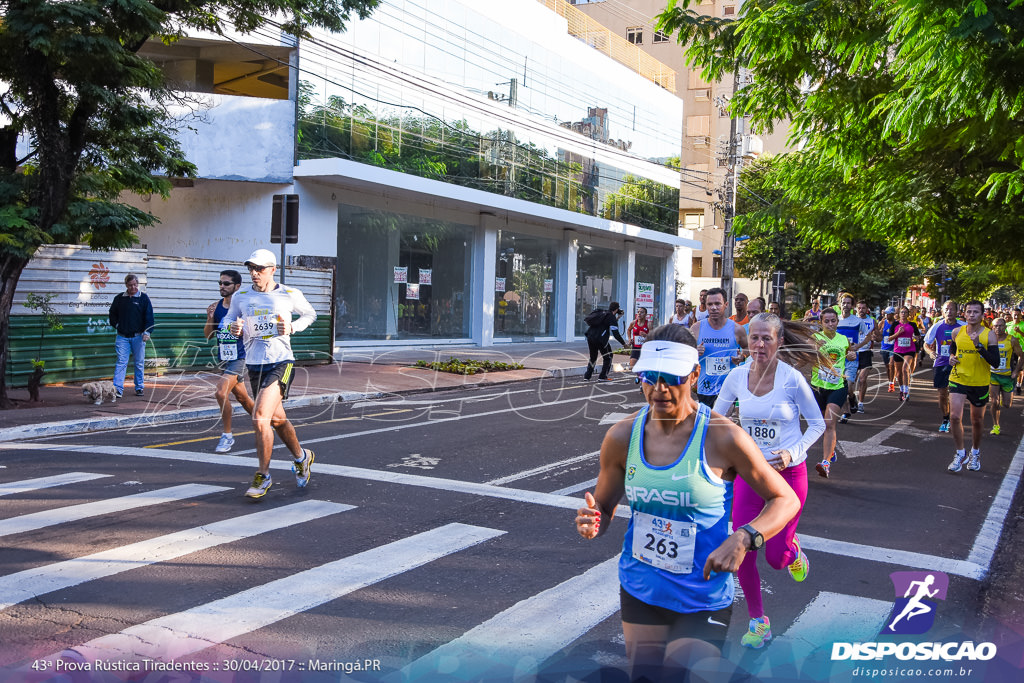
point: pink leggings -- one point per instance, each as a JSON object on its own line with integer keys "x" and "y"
{"x": 778, "y": 550}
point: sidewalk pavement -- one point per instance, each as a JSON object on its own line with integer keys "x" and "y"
{"x": 356, "y": 374}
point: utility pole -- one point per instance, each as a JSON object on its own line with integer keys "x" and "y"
{"x": 729, "y": 200}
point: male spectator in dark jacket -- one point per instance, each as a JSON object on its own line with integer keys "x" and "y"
{"x": 131, "y": 315}
{"x": 601, "y": 324}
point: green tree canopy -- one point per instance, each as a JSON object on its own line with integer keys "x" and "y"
{"x": 89, "y": 111}
{"x": 909, "y": 115}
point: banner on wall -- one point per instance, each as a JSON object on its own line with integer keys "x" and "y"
{"x": 549, "y": 285}
{"x": 412, "y": 291}
{"x": 425, "y": 274}
{"x": 401, "y": 274}
{"x": 644, "y": 294}
{"x": 499, "y": 284}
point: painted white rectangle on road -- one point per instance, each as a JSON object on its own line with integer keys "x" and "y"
{"x": 903, "y": 558}
{"x": 72, "y": 513}
{"x": 47, "y": 482}
{"x": 523, "y": 636}
{"x": 179, "y": 635}
{"x": 829, "y": 618}
{"x": 28, "y": 584}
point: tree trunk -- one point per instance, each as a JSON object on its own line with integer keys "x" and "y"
{"x": 11, "y": 268}
{"x": 33, "y": 384}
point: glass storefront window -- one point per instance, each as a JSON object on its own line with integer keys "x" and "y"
{"x": 401, "y": 276}
{"x": 649, "y": 271}
{"x": 595, "y": 282}
{"x": 524, "y": 286}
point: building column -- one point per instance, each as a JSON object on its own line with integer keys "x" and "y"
{"x": 485, "y": 255}
{"x": 668, "y": 284}
{"x": 565, "y": 286}
{"x": 625, "y": 280}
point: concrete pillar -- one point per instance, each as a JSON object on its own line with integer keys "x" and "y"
{"x": 625, "y": 280}
{"x": 565, "y": 286}
{"x": 485, "y": 254}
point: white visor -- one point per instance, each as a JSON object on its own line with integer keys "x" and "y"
{"x": 672, "y": 358}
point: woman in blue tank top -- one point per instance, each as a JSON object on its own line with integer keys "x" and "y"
{"x": 675, "y": 461}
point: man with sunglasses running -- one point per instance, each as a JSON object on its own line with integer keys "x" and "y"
{"x": 231, "y": 354}
{"x": 262, "y": 316}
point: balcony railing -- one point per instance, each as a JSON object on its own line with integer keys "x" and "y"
{"x": 615, "y": 46}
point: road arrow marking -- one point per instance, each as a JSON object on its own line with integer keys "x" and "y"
{"x": 873, "y": 444}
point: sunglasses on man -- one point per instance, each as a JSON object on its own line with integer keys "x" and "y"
{"x": 258, "y": 269}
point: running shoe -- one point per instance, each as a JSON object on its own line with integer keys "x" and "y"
{"x": 758, "y": 634}
{"x": 860, "y": 408}
{"x": 844, "y": 418}
{"x": 974, "y": 461}
{"x": 995, "y": 430}
{"x": 260, "y": 485}
{"x": 303, "y": 468}
{"x": 944, "y": 427}
{"x": 823, "y": 467}
{"x": 904, "y": 396}
{"x": 225, "y": 443}
{"x": 958, "y": 462}
{"x": 139, "y": 392}
{"x": 801, "y": 565}
{"x": 892, "y": 387}
{"x": 119, "y": 392}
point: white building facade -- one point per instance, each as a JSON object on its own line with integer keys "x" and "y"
{"x": 474, "y": 173}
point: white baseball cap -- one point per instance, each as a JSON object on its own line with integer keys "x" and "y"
{"x": 671, "y": 358}
{"x": 262, "y": 257}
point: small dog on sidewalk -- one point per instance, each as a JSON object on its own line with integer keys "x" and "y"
{"x": 97, "y": 392}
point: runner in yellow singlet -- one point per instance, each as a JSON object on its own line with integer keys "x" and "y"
{"x": 973, "y": 352}
{"x": 1003, "y": 377}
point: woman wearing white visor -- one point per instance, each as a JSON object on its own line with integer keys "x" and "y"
{"x": 676, "y": 592}
{"x": 772, "y": 396}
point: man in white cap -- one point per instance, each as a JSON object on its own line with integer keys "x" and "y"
{"x": 262, "y": 316}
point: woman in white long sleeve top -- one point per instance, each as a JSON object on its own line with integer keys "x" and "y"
{"x": 772, "y": 396}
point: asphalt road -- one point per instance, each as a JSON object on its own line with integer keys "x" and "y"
{"x": 435, "y": 542}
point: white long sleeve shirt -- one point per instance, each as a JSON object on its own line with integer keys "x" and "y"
{"x": 773, "y": 420}
{"x": 259, "y": 312}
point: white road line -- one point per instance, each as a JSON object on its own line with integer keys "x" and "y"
{"x": 575, "y": 487}
{"x": 903, "y": 558}
{"x": 429, "y": 402}
{"x": 543, "y": 468}
{"x": 179, "y": 635}
{"x": 523, "y": 636}
{"x": 988, "y": 538}
{"x": 444, "y": 420}
{"x": 966, "y": 568}
{"x": 612, "y": 418}
{"x": 28, "y": 584}
{"x": 391, "y": 476}
{"x": 46, "y": 482}
{"x": 886, "y": 382}
{"x": 72, "y": 513}
{"x": 829, "y": 618}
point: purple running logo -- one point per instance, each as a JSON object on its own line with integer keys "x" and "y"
{"x": 916, "y": 600}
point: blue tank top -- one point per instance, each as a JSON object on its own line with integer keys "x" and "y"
{"x": 886, "y": 331}
{"x": 719, "y": 348}
{"x": 223, "y": 336}
{"x": 943, "y": 339}
{"x": 679, "y": 511}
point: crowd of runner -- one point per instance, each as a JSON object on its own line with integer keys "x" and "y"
{"x": 739, "y": 403}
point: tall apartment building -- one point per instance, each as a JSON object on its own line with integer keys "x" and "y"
{"x": 475, "y": 173}
{"x": 706, "y": 127}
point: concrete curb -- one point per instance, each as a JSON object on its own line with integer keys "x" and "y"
{"x": 83, "y": 426}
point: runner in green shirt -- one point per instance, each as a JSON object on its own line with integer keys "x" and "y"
{"x": 828, "y": 382}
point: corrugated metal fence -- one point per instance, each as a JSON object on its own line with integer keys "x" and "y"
{"x": 82, "y": 283}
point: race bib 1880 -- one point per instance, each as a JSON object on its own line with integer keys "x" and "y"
{"x": 765, "y": 433}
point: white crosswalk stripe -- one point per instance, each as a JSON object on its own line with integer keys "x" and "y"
{"x": 72, "y": 513}
{"x": 28, "y": 584}
{"x": 47, "y": 482}
{"x": 528, "y": 633}
{"x": 179, "y": 635}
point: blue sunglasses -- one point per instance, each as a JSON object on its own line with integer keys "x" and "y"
{"x": 651, "y": 377}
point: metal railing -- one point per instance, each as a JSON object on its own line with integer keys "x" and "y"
{"x": 615, "y": 46}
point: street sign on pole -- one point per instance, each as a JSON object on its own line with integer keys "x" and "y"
{"x": 284, "y": 223}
